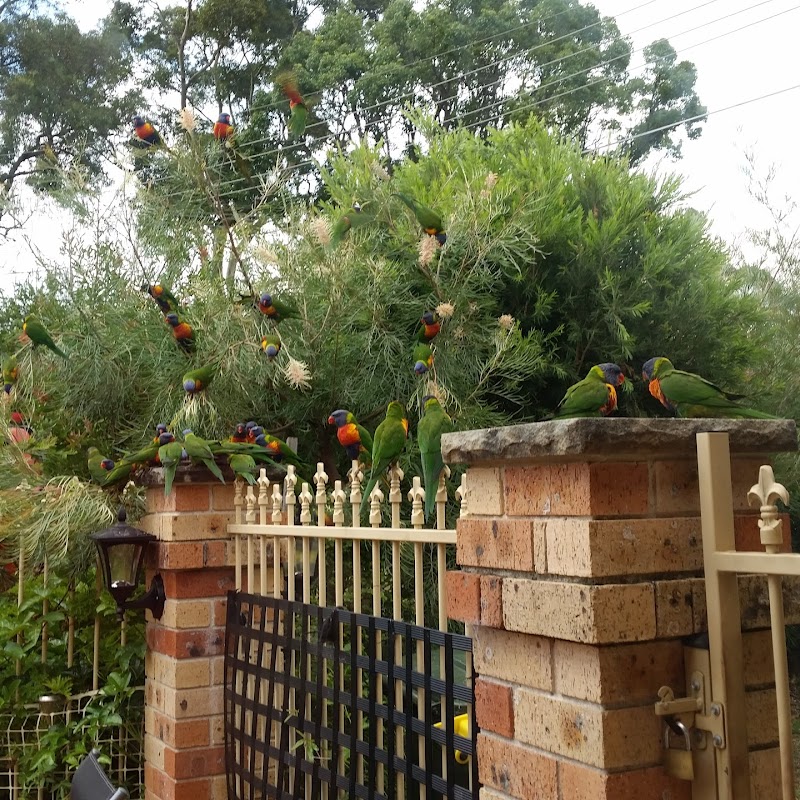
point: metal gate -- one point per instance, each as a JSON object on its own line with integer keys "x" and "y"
{"x": 713, "y": 718}
{"x": 313, "y": 708}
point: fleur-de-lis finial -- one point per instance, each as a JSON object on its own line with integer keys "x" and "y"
{"x": 375, "y": 499}
{"x": 766, "y": 493}
{"x": 417, "y": 497}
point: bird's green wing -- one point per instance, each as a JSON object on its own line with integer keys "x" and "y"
{"x": 686, "y": 387}
{"x": 584, "y": 398}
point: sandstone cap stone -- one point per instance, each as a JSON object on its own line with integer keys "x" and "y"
{"x": 613, "y": 439}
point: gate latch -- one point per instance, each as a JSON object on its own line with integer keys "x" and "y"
{"x": 692, "y": 709}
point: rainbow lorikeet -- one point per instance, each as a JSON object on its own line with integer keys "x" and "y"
{"x": 165, "y": 300}
{"x": 223, "y": 127}
{"x": 145, "y": 132}
{"x": 355, "y": 438}
{"x": 160, "y": 428}
{"x": 253, "y": 433}
{"x": 243, "y": 466}
{"x": 278, "y": 449}
{"x": 433, "y": 424}
{"x": 430, "y": 325}
{"x": 423, "y": 358}
{"x": 170, "y": 454}
{"x": 688, "y": 395}
{"x": 429, "y": 219}
{"x": 354, "y": 218}
{"x": 298, "y": 110}
{"x": 99, "y": 465}
{"x": 271, "y": 345}
{"x": 275, "y": 309}
{"x": 38, "y": 334}
{"x": 198, "y": 450}
{"x": 388, "y": 442}
{"x": 196, "y": 380}
{"x": 10, "y": 373}
{"x": 122, "y": 468}
{"x": 182, "y": 331}
{"x": 255, "y": 452}
{"x": 239, "y": 435}
{"x": 594, "y": 396}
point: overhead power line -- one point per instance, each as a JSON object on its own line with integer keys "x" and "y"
{"x": 528, "y": 106}
{"x": 625, "y": 139}
{"x": 284, "y": 148}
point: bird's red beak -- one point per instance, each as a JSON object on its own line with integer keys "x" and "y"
{"x": 621, "y": 379}
{"x": 331, "y": 420}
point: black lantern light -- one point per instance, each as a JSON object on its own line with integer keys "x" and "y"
{"x": 121, "y": 549}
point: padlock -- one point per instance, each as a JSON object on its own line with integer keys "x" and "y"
{"x": 678, "y": 762}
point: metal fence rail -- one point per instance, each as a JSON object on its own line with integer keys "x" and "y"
{"x": 379, "y": 729}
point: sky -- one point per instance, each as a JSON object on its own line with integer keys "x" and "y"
{"x": 760, "y": 59}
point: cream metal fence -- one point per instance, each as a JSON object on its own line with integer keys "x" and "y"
{"x": 21, "y": 729}
{"x": 386, "y": 573}
{"x": 716, "y": 709}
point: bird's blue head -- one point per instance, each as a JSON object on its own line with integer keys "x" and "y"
{"x": 648, "y": 368}
{"x": 225, "y": 119}
{"x": 612, "y": 374}
{"x": 161, "y": 428}
{"x": 190, "y": 385}
{"x": 138, "y": 121}
{"x": 261, "y": 440}
{"x": 428, "y": 397}
{"x": 256, "y": 430}
{"x": 166, "y": 438}
{"x": 186, "y": 431}
{"x": 420, "y": 367}
{"x": 266, "y": 299}
{"x": 428, "y": 318}
{"x": 338, "y": 417}
{"x": 8, "y": 387}
{"x": 441, "y": 237}
{"x": 107, "y": 464}
{"x": 250, "y": 425}
{"x": 241, "y": 429}
{"x": 172, "y": 319}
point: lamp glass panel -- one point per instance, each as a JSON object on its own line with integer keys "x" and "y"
{"x": 123, "y": 560}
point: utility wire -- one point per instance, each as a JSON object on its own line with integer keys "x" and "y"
{"x": 518, "y": 54}
{"x": 291, "y": 168}
{"x": 284, "y": 149}
{"x": 698, "y": 117}
{"x": 567, "y": 35}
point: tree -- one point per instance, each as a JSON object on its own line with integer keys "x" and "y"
{"x": 664, "y": 98}
{"x": 555, "y": 261}
{"x": 60, "y": 99}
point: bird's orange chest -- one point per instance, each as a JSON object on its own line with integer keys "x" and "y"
{"x": 183, "y": 331}
{"x": 348, "y": 434}
{"x": 655, "y": 389}
{"x": 611, "y": 402}
{"x": 405, "y": 426}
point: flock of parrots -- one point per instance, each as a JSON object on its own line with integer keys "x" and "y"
{"x": 683, "y": 394}
{"x": 250, "y": 446}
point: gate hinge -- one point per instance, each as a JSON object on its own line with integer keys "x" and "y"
{"x": 693, "y": 711}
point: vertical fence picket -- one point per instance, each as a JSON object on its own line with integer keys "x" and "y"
{"x": 342, "y": 507}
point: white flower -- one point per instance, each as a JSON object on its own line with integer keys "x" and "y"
{"x": 506, "y": 322}
{"x": 379, "y": 171}
{"x": 491, "y": 181}
{"x": 321, "y": 229}
{"x": 188, "y": 122}
{"x": 427, "y": 247}
{"x": 459, "y": 334}
{"x": 297, "y": 374}
{"x": 265, "y": 255}
{"x": 445, "y": 310}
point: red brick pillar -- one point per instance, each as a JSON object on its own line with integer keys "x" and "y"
{"x": 184, "y": 752}
{"x": 582, "y": 562}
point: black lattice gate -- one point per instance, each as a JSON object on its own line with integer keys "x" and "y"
{"x": 324, "y": 703}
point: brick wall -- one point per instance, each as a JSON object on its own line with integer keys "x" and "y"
{"x": 184, "y": 744}
{"x": 581, "y": 569}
